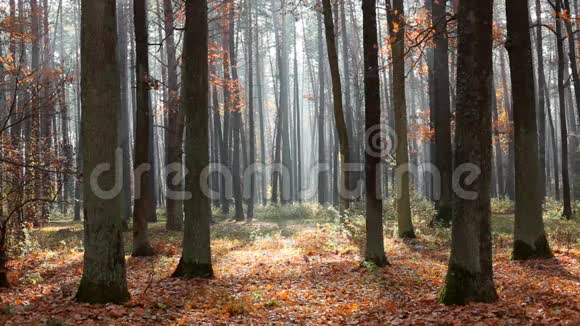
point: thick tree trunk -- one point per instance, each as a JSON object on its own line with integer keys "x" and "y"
{"x": 143, "y": 165}
{"x": 104, "y": 276}
{"x": 375, "y": 248}
{"x": 529, "y": 234}
{"x": 196, "y": 258}
{"x": 403, "y": 199}
{"x": 470, "y": 273}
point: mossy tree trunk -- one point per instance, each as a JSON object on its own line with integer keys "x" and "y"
{"x": 470, "y": 273}
{"x": 104, "y": 276}
{"x": 196, "y": 258}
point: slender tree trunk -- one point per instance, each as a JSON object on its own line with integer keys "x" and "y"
{"x": 403, "y": 200}
{"x": 196, "y": 258}
{"x": 442, "y": 112}
{"x": 104, "y": 276}
{"x": 567, "y": 212}
{"x": 470, "y": 272}
{"x": 237, "y": 121}
{"x": 375, "y": 248}
{"x": 142, "y": 167}
{"x": 263, "y": 135}
{"x": 340, "y": 121}
{"x": 251, "y": 121}
{"x": 174, "y": 130}
{"x": 322, "y": 160}
{"x": 509, "y": 185}
{"x": 541, "y": 99}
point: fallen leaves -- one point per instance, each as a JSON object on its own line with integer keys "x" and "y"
{"x": 311, "y": 275}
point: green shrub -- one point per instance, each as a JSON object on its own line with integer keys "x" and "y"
{"x": 502, "y": 206}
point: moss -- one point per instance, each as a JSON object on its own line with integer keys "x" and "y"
{"x": 540, "y": 250}
{"x": 375, "y": 261}
{"x": 462, "y": 286}
{"x": 90, "y": 292}
{"x": 193, "y": 270}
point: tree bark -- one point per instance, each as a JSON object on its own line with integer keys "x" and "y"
{"x": 143, "y": 165}
{"x": 340, "y": 121}
{"x": 104, "y": 276}
{"x": 322, "y": 159}
{"x": 196, "y": 258}
{"x": 375, "y": 248}
{"x": 567, "y": 211}
{"x": 470, "y": 273}
{"x": 403, "y": 199}
{"x": 442, "y": 109}
{"x": 175, "y": 124}
{"x": 529, "y": 234}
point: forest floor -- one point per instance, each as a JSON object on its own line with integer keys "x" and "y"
{"x": 301, "y": 271}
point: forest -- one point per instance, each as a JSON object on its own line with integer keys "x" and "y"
{"x": 292, "y": 162}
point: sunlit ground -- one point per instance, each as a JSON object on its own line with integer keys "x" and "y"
{"x": 296, "y": 266}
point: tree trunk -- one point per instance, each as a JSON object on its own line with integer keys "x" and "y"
{"x": 344, "y": 184}
{"x": 142, "y": 167}
{"x": 375, "y": 248}
{"x": 174, "y": 130}
{"x": 196, "y": 258}
{"x": 567, "y": 212}
{"x": 104, "y": 276}
{"x": 251, "y": 121}
{"x": 322, "y": 160}
{"x": 541, "y": 99}
{"x": 529, "y": 234}
{"x": 236, "y": 121}
{"x": 470, "y": 273}
{"x": 403, "y": 200}
{"x": 442, "y": 112}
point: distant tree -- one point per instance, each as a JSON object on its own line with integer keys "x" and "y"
{"x": 323, "y": 195}
{"x": 104, "y": 276}
{"x": 470, "y": 271}
{"x": 196, "y": 257}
